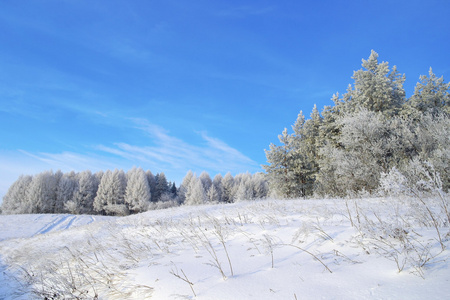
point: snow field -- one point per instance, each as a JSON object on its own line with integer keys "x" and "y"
{"x": 270, "y": 249}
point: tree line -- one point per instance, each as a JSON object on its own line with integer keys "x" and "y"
{"x": 119, "y": 193}
{"x": 370, "y": 131}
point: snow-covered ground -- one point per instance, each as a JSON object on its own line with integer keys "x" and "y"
{"x": 269, "y": 249}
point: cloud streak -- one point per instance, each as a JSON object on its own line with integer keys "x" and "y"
{"x": 172, "y": 153}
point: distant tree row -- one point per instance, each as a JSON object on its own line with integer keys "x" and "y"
{"x": 199, "y": 190}
{"x": 370, "y": 130}
{"x": 119, "y": 193}
{"x": 110, "y": 192}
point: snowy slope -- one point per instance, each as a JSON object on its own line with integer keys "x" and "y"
{"x": 24, "y": 226}
{"x": 271, "y": 249}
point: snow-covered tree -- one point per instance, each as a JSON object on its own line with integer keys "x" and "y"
{"x": 244, "y": 191}
{"x": 83, "y": 197}
{"x": 137, "y": 194}
{"x": 65, "y": 191}
{"x": 195, "y": 194}
{"x": 184, "y": 187}
{"x": 111, "y": 193}
{"x": 376, "y": 88}
{"x": 280, "y": 167}
{"x": 103, "y": 192}
{"x": 206, "y": 180}
{"x": 367, "y": 150}
{"x": 213, "y": 194}
{"x": 218, "y": 187}
{"x": 152, "y": 185}
{"x": 260, "y": 186}
{"x": 15, "y": 200}
{"x": 433, "y": 140}
{"x": 116, "y": 202}
{"x": 161, "y": 188}
{"x": 41, "y": 194}
{"x": 292, "y": 166}
{"x": 431, "y": 95}
{"x": 173, "y": 190}
{"x": 228, "y": 188}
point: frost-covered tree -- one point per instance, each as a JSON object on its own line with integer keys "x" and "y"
{"x": 218, "y": 186}
{"x": 111, "y": 193}
{"x": 306, "y": 142}
{"x": 15, "y": 200}
{"x": 103, "y": 192}
{"x": 116, "y": 202}
{"x": 41, "y": 194}
{"x": 280, "y": 167}
{"x": 260, "y": 186}
{"x": 369, "y": 130}
{"x": 376, "y": 88}
{"x": 367, "y": 150}
{"x": 137, "y": 194}
{"x": 87, "y": 189}
{"x": 67, "y": 186}
{"x": 195, "y": 194}
{"x": 431, "y": 95}
{"x": 311, "y": 141}
{"x": 292, "y": 165}
{"x": 98, "y": 177}
{"x": 206, "y": 180}
{"x": 213, "y": 194}
{"x": 244, "y": 190}
{"x": 161, "y": 187}
{"x": 173, "y": 190}
{"x": 228, "y": 188}
{"x": 151, "y": 184}
{"x": 433, "y": 141}
{"x": 184, "y": 187}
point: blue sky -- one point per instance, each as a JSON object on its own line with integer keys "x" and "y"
{"x": 173, "y": 86}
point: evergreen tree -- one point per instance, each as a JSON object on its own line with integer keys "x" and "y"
{"x": 161, "y": 188}
{"x": 173, "y": 191}
{"x": 292, "y": 168}
{"x": 431, "y": 95}
{"x": 280, "y": 167}
{"x": 376, "y": 88}
{"x": 152, "y": 185}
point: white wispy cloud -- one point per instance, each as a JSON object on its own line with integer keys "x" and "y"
{"x": 173, "y": 153}
{"x": 67, "y": 161}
